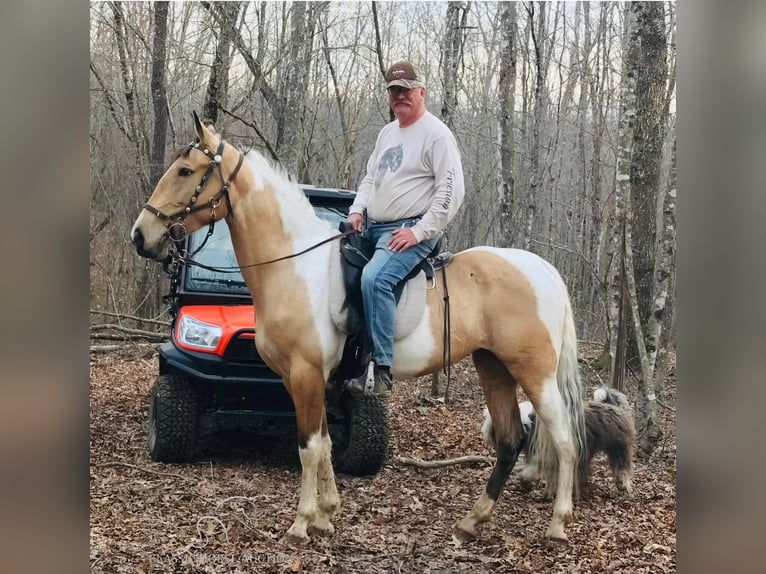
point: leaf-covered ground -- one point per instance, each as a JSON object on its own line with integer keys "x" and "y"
{"x": 227, "y": 512}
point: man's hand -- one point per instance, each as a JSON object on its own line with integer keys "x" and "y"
{"x": 356, "y": 220}
{"x": 402, "y": 239}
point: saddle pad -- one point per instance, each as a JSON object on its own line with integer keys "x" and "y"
{"x": 409, "y": 310}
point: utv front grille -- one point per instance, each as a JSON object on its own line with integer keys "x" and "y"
{"x": 242, "y": 348}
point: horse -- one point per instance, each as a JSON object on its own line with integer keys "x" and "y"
{"x": 510, "y": 310}
{"x": 609, "y": 429}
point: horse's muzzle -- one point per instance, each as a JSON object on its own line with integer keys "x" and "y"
{"x": 159, "y": 252}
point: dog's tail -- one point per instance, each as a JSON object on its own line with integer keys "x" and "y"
{"x": 487, "y": 430}
{"x": 610, "y": 396}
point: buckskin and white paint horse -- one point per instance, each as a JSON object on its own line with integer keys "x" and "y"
{"x": 509, "y": 309}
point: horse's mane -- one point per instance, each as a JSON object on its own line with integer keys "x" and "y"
{"x": 266, "y": 172}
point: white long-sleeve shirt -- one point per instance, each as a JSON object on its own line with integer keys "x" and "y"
{"x": 413, "y": 171}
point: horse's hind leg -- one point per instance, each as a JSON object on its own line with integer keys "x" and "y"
{"x": 551, "y": 410}
{"x": 307, "y": 392}
{"x": 329, "y": 500}
{"x": 500, "y": 394}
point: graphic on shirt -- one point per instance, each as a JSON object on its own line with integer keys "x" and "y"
{"x": 391, "y": 159}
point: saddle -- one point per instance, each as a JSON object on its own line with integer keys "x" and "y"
{"x": 356, "y": 251}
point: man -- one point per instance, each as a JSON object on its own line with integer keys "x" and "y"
{"x": 413, "y": 188}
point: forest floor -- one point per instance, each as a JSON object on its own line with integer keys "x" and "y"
{"x": 227, "y": 512}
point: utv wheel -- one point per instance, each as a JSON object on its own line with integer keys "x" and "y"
{"x": 361, "y": 442}
{"x": 172, "y": 419}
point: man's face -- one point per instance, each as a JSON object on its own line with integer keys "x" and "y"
{"x": 407, "y": 104}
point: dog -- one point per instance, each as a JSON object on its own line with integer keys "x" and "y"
{"x": 609, "y": 428}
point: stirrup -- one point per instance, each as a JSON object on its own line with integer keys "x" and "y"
{"x": 357, "y": 386}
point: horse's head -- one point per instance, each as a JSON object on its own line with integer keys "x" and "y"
{"x": 192, "y": 193}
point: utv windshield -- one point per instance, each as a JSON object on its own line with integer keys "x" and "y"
{"x": 218, "y": 252}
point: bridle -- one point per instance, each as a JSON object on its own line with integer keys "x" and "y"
{"x": 175, "y": 222}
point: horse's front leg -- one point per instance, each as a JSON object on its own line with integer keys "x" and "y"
{"x": 307, "y": 391}
{"x": 329, "y": 499}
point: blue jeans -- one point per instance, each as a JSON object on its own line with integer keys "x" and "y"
{"x": 379, "y": 277}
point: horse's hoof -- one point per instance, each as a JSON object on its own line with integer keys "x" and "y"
{"x": 293, "y": 540}
{"x": 556, "y": 535}
{"x": 464, "y": 533}
{"x": 325, "y": 530}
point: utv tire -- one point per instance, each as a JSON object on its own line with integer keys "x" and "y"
{"x": 173, "y": 419}
{"x": 360, "y": 449}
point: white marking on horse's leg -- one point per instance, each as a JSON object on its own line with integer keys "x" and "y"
{"x": 307, "y": 506}
{"x": 554, "y": 416}
{"x": 481, "y": 512}
{"x": 329, "y": 499}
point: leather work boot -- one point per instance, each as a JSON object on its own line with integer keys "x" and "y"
{"x": 383, "y": 382}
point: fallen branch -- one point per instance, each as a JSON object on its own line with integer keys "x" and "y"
{"x": 445, "y": 462}
{"x": 128, "y": 330}
{"x": 123, "y": 347}
{"x": 158, "y": 473}
{"x": 157, "y": 338}
{"x": 131, "y": 317}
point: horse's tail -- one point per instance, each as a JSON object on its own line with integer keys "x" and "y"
{"x": 570, "y": 387}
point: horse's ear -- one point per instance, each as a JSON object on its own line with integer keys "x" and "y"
{"x": 198, "y": 126}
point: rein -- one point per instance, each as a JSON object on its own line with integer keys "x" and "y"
{"x": 187, "y": 260}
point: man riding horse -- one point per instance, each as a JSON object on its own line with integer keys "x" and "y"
{"x": 412, "y": 190}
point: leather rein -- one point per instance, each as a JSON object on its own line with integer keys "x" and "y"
{"x": 176, "y": 220}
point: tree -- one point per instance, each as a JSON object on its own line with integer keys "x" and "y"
{"x": 452, "y": 49}
{"x": 648, "y": 140}
{"x": 218, "y": 84}
{"x": 506, "y": 89}
{"x": 619, "y": 221}
{"x": 646, "y": 401}
{"x": 290, "y": 138}
{"x": 159, "y": 98}
{"x": 541, "y": 71}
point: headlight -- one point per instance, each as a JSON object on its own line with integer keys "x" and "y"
{"x": 198, "y": 334}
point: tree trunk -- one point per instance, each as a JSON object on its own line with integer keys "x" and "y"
{"x": 651, "y": 285}
{"x": 290, "y": 142}
{"x": 539, "y": 109}
{"x": 506, "y": 87}
{"x": 451, "y": 52}
{"x": 348, "y": 138}
{"x": 646, "y": 401}
{"x": 618, "y": 245}
{"x": 159, "y": 97}
{"x": 379, "y": 51}
{"x": 218, "y": 84}
{"x": 649, "y": 134}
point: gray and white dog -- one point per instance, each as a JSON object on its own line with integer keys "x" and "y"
{"x": 609, "y": 429}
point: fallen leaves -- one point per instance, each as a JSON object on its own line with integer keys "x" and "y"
{"x": 243, "y": 495}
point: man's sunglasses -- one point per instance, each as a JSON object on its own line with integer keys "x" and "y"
{"x": 395, "y": 90}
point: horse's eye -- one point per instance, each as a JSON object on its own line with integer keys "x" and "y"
{"x": 185, "y": 171}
